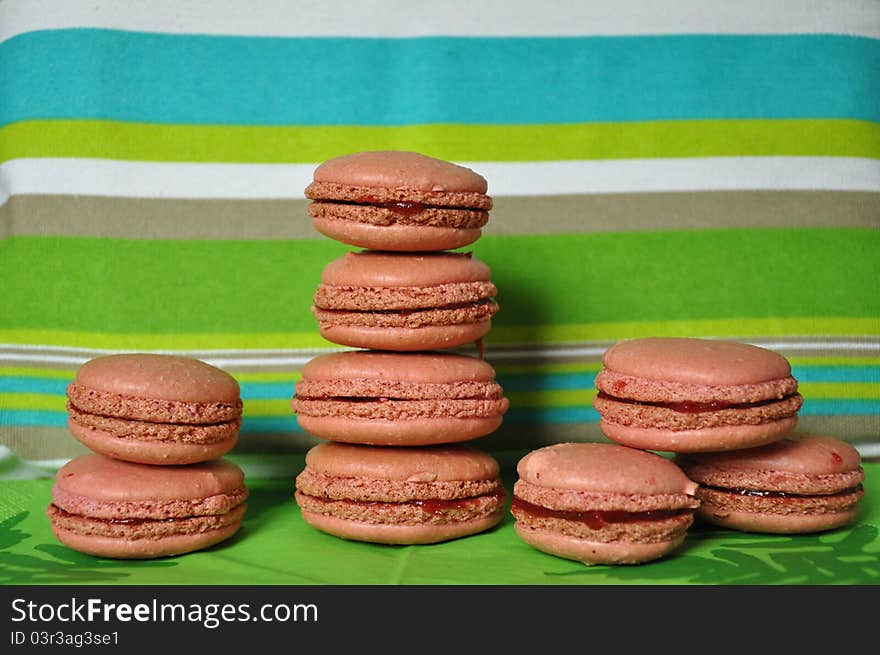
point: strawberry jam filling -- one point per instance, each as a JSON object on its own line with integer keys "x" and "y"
{"x": 692, "y": 407}
{"x": 594, "y": 519}
{"x": 781, "y": 494}
{"x": 428, "y": 505}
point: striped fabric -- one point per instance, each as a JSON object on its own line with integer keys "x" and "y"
{"x": 709, "y": 170}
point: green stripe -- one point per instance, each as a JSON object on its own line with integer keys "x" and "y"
{"x": 545, "y": 142}
{"x": 552, "y": 288}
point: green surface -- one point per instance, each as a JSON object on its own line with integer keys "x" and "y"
{"x": 275, "y": 547}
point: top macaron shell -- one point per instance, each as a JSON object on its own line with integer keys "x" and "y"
{"x": 154, "y": 408}
{"x": 695, "y": 395}
{"x": 405, "y": 301}
{"x": 398, "y": 200}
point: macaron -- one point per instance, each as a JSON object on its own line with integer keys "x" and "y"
{"x": 154, "y": 409}
{"x": 398, "y": 200}
{"x": 805, "y": 483}
{"x": 601, "y": 503}
{"x": 398, "y": 399}
{"x": 418, "y": 495}
{"x": 695, "y": 395}
{"x": 111, "y": 508}
{"x": 405, "y": 301}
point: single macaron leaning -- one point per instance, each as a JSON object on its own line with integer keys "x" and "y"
{"x": 398, "y": 398}
{"x": 398, "y": 200}
{"x": 405, "y": 301}
{"x": 154, "y": 408}
{"x": 111, "y": 508}
{"x": 418, "y": 495}
{"x": 804, "y": 483}
{"x": 695, "y": 395}
{"x": 600, "y": 503}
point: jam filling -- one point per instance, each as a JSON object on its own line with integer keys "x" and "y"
{"x": 132, "y": 521}
{"x": 429, "y": 505}
{"x": 693, "y": 407}
{"x": 781, "y": 494}
{"x": 595, "y": 519}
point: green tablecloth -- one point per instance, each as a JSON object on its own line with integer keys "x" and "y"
{"x": 276, "y": 547}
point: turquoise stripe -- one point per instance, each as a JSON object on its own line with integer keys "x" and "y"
{"x": 842, "y": 407}
{"x": 164, "y": 78}
{"x": 836, "y": 373}
{"x": 270, "y": 424}
{"x": 23, "y": 384}
{"x": 32, "y": 417}
{"x": 549, "y": 415}
{"x": 547, "y": 381}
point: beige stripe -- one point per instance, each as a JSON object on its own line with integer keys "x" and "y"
{"x": 97, "y": 216}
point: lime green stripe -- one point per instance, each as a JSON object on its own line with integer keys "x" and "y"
{"x": 33, "y": 401}
{"x": 503, "y": 335}
{"x": 834, "y": 361}
{"x": 50, "y": 373}
{"x": 202, "y": 294}
{"x": 267, "y": 407}
{"x": 541, "y": 142}
{"x": 856, "y": 390}
{"x": 551, "y": 398}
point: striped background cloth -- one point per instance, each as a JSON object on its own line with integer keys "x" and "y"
{"x": 699, "y": 168}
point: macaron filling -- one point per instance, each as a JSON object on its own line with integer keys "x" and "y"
{"x": 594, "y": 519}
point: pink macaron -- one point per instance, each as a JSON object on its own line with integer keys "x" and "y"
{"x": 398, "y": 200}
{"x": 805, "y": 483}
{"x": 405, "y": 301}
{"x": 693, "y": 395}
{"x": 417, "y": 495}
{"x": 112, "y": 508}
{"x": 154, "y": 409}
{"x": 602, "y": 503}
{"x": 398, "y": 399}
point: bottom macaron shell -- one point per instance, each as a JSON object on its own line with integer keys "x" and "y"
{"x": 770, "y": 523}
{"x": 140, "y": 451}
{"x": 429, "y": 337}
{"x": 385, "y": 533}
{"x": 120, "y": 548}
{"x": 595, "y": 552}
{"x": 732, "y": 437}
{"x": 400, "y": 238}
{"x": 382, "y": 432}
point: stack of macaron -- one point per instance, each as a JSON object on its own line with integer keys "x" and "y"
{"x": 395, "y": 408}
{"x": 725, "y": 412}
{"x": 156, "y": 482}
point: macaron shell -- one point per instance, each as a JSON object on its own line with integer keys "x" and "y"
{"x": 428, "y": 337}
{"x": 728, "y": 437}
{"x": 383, "y": 269}
{"x": 438, "y": 464}
{"x": 114, "y": 547}
{"x": 396, "y": 238}
{"x": 415, "y": 432}
{"x": 776, "y": 523}
{"x": 158, "y": 376}
{"x": 696, "y": 361}
{"x": 603, "y": 468}
{"x": 415, "y": 368}
{"x": 104, "y": 479}
{"x": 399, "y": 169}
{"x": 144, "y": 451}
{"x": 595, "y": 552}
{"x": 386, "y": 533}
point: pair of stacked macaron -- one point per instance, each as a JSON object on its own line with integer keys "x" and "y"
{"x": 395, "y": 412}
{"x": 156, "y": 483}
{"x": 727, "y": 411}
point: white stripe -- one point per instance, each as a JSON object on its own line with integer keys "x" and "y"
{"x": 103, "y": 177}
{"x": 403, "y": 18}
{"x": 11, "y": 353}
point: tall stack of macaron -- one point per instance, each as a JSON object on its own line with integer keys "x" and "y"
{"x": 395, "y": 408}
{"x": 156, "y": 483}
{"x": 726, "y": 412}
